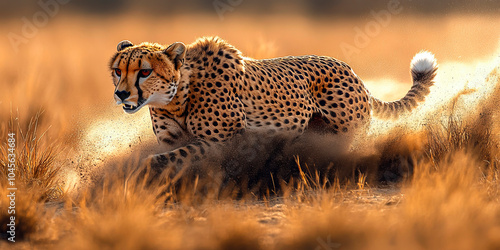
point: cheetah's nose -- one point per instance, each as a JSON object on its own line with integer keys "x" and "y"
{"x": 122, "y": 94}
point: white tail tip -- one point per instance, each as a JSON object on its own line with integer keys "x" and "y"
{"x": 423, "y": 62}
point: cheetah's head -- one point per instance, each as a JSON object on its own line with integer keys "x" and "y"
{"x": 146, "y": 74}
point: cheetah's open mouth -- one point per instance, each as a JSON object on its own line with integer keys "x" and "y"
{"x": 130, "y": 109}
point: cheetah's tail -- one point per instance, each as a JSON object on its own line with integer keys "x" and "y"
{"x": 423, "y": 70}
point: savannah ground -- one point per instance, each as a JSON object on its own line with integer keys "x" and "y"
{"x": 428, "y": 180}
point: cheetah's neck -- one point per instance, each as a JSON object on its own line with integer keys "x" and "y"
{"x": 177, "y": 106}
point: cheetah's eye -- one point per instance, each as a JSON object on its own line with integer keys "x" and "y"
{"x": 145, "y": 72}
{"x": 118, "y": 72}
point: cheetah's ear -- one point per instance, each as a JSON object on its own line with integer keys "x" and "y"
{"x": 123, "y": 44}
{"x": 176, "y": 53}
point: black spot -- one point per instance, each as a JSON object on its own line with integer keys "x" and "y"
{"x": 172, "y": 157}
{"x": 162, "y": 159}
{"x": 183, "y": 152}
{"x": 191, "y": 149}
{"x": 174, "y": 136}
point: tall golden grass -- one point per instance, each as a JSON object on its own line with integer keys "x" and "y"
{"x": 440, "y": 186}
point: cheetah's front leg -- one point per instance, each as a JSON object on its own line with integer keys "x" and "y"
{"x": 178, "y": 160}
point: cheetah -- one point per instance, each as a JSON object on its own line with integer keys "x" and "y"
{"x": 203, "y": 94}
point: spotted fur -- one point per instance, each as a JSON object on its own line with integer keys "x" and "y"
{"x": 205, "y": 93}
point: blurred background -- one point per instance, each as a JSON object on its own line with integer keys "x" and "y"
{"x": 312, "y": 8}
{"x": 55, "y": 53}
{"x": 56, "y": 94}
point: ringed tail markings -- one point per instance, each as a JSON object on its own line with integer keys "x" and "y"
{"x": 423, "y": 70}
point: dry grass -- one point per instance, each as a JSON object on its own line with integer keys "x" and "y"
{"x": 35, "y": 168}
{"x": 436, "y": 188}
